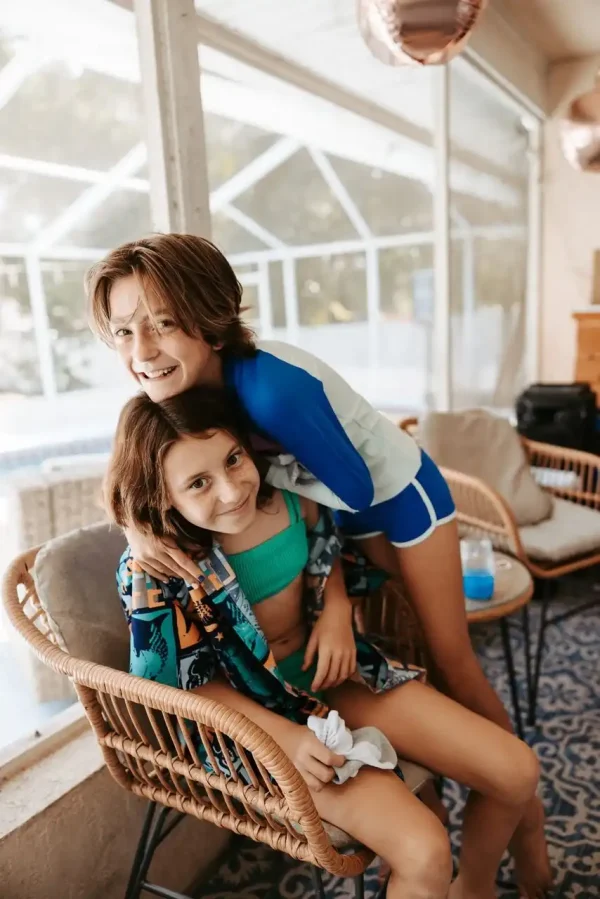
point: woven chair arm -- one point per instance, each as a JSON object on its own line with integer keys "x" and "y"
{"x": 296, "y": 803}
{"x": 94, "y": 680}
{"x": 482, "y": 511}
{"x": 566, "y": 473}
{"x": 187, "y": 705}
{"x": 190, "y": 706}
{"x": 410, "y": 425}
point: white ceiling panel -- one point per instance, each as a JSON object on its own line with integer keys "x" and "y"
{"x": 562, "y": 29}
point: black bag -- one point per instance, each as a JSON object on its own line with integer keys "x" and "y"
{"x": 560, "y": 414}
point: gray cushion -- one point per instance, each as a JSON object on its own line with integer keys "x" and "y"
{"x": 486, "y": 446}
{"x": 75, "y": 579}
{"x": 571, "y": 530}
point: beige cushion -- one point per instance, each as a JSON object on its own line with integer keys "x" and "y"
{"x": 75, "y": 580}
{"x": 571, "y": 530}
{"x": 485, "y": 446}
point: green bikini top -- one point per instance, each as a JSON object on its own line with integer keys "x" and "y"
{"x": 268, "y": 568}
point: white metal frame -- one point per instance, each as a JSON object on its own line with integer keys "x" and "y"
{"x": 534, "y": 254}
{"x": 442, "y": 344}
{"x": 174, "y": 119}
{"x": 506, "y": 92}
{"x": 179, "y": 188}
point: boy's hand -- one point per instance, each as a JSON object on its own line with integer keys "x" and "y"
{"x": 332, "y": 640}
{"x": 160, "y": 557}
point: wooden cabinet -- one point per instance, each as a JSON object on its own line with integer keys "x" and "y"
{"x": 587, "y": 360}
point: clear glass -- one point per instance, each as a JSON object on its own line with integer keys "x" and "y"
{"x": 81, "y": 362}
{"x": 124, "y": 215}
{"x": 339, "y": 224}
{"x": 478, "y": 567}
{"x": 243, "y": 144}
{"x": 20, "y": 371}
{"x": 72, "y": 111}
{"x": 489, "y": 179}
{"x": 75, "y": 113}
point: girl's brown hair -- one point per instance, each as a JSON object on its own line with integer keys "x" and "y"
{"x": 135, "y": 491}
{"x": 188, "y": 275}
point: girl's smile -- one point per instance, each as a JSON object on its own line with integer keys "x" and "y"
{"x": 212, "y": 482}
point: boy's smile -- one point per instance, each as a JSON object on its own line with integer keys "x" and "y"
{"x": 162, "y": 358}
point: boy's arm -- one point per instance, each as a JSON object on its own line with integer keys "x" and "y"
{"x": 291, "y": 406}
{"x": 335, "y": 593}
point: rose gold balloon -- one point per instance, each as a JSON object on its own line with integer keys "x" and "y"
{"x": 417, "y": 32}
{"x": 580, "y": 132}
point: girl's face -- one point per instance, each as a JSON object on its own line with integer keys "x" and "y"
{"x": 212, "y": 482}
{"x": 163, "y": 359}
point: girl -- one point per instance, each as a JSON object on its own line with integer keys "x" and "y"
{"x": 171, "y": 307}
{"x": 184, "y": 468}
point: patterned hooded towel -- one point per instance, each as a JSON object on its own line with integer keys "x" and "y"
{"x": 182, "y": 636}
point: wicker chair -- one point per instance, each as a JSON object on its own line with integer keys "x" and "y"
{"x": 144, "y": 731}
{"x": 482, "y": 511}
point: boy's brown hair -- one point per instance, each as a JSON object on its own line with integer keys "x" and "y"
{"x": 191, "y": 278}
{"x": 135, "y": 491}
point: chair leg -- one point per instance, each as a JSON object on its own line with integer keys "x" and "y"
{"x": 527, "y": 651}
{"x": 510, "y": 667}
{"x": 537, "y": 668}
{"x": 382, "y": 891}
{"x": 152, "y": 842}
{"x": 317, "y": 877}
{"x": 359, "y": 886}
{"x": 140, "y": 849}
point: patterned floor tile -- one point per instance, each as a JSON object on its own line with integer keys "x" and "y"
{"x": 567, "y": 742}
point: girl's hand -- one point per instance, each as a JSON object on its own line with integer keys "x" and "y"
{"x": 160, "y": 557}
{"x": 313, "y": 759}
{"x": 332, "y": 640}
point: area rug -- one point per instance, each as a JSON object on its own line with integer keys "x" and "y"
{"x": 567, "y": 742}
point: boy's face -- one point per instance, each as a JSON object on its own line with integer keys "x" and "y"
{"x": 163, "y": 359}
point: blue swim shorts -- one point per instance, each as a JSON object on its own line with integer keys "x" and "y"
{"x": 409, "y": 517}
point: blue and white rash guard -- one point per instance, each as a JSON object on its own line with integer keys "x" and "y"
{"x": 358, "y": 456}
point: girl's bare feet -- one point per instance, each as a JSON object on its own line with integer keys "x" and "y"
{"x": 530, "y": 852}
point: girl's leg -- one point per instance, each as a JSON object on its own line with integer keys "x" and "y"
{"x": 431, "y": 571}
{"x": 431, "y": 729}
{"x": 377, "y": 809}
{"x": 428, "y": 794}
